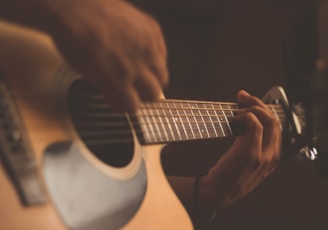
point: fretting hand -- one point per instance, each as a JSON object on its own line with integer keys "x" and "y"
{"x": 250, "y": 159}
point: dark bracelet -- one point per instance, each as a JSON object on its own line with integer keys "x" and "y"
{"x": 199, "y": 211}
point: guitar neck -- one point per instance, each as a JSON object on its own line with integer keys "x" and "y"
{"x": 162, "y": 121}
{"x": 167, "y": 121}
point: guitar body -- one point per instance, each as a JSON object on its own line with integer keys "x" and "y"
{"x": 70, "y": 188}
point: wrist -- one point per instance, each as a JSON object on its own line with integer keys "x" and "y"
{"x": 39, "y": 14}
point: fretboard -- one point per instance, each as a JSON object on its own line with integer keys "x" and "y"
{"x": 167, "y": 121}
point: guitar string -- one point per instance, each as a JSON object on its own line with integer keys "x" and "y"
{"x": 159, "y": 106}
{"x": 178, "y": 113}
{"x": 277, "y": 109}
{"x": 171, "y": 121}
{"x": 162, "y": 140}
{"x": 123, "y": 115}
{"x": 143, "y": 141}
{"x": 102, "y": 98}
{"x": 174, "y": 112}
{"x": 158, "y": 133}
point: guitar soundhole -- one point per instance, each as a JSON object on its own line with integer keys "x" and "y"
{"x": 107, "y": 134}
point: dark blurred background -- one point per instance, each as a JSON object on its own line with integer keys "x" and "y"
{"x": 216, "y": 48}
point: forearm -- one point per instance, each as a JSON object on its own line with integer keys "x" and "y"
{"x": 40, "y": 14}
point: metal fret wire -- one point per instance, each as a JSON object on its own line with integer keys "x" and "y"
{"x": 153, "y": 130}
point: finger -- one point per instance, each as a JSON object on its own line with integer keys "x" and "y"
{"x": 147, "y": 85}
{"x": 160, "y": 42}
{"x": 254, "y": 133}
{"x": 271, "y": 126}
{"x": 246, "y": 100}
{"x": 115, "y": 80}
{"x": 154, "y": 55}
{"x": 157, "y": 63}
{"x": 123, "y": 97}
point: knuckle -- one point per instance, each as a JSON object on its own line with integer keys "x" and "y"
{"x": 256, "y": 100}
{"x": 250, "y": 117}
{"x": 237, "y": 191}
{"x": 164, "y": 77}
{"x": 271, "y": 121}
{"x": 255, "y": 108}
{"x": 254, "y": 162}
{"x": 160, "y": 71}
{"x": 156, "y": 25}
{"x": 276, "y": 157}
{"x": 276, "y": 122}
{"x": 258, "y": 127}
{"x": 254, "y": 123}
{"x": 153, "y": 24}
{"x": 271, "y": 161}
{"x": 267, "y": 163}
{"x": 275, "y": 161}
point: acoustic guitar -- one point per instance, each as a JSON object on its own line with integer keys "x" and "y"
{"x": 69, "y": 162}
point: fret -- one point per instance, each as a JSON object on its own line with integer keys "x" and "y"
{"x": 144, "y": 126}
{"x": 158, "y": 122}
{"x": 232, "y": 108}
{"x": 218, "y": 124}
{"x": 178, "y": 122}
{"x": 165, "y": 121}
{"x": 204, "y": 126}
{"x": 208, "y": 108}
{"x": 152, "y": 133}
{"x": 272, "y": 108}
{"x": 157, "y": 132}
{"x": 174, "y": 122}
{"x": 191, "y": 108}
{"x": 187, "y": 118}
{"x": 222, "y": 119}
{"x": 224, "y": 109}
{"x": 180, "y": 115}
{"x": 274, "y": 112}
{"x": 163, "y": 111}
{"x": 162, "y": 124}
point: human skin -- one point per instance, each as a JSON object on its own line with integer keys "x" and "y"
{"x": 121, "y": 50}
{"x": 114, "y": 45}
